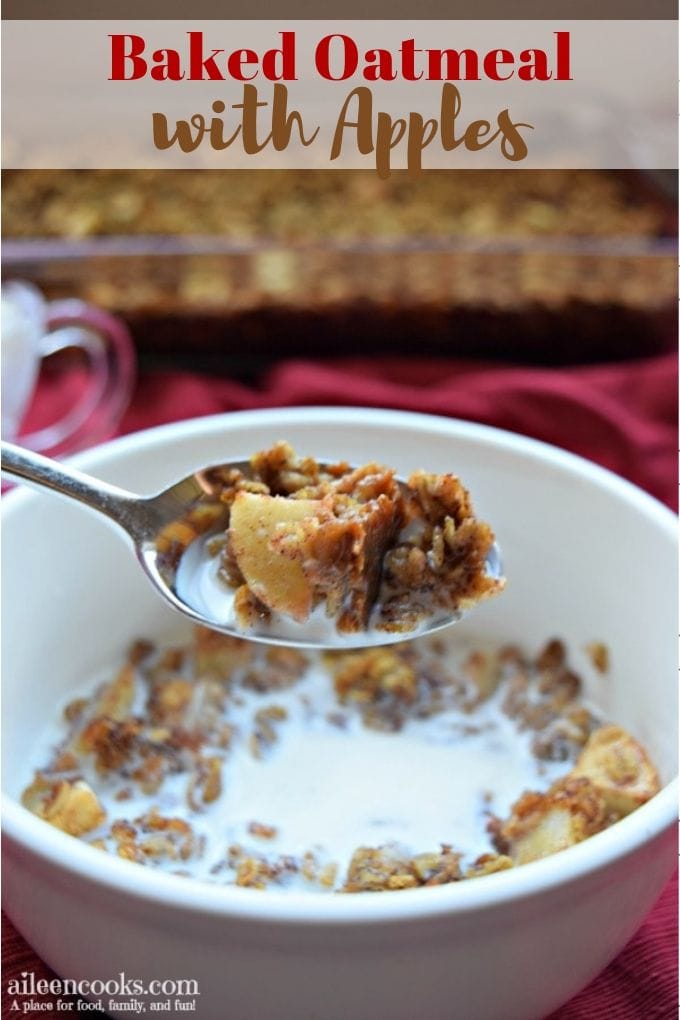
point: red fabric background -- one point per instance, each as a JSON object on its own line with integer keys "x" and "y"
{"x": 621, "y": 415}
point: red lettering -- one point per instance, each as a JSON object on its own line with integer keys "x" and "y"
{"x": 240, "y": 59}
{"x": 535, "y": 66}
{"x": 120, "y": 57}
{"x": 494, "y": 59}
{"x": 168, "y": 66}
{"x": 453, "y": 58}
{"x": 381, "y": 67}
{"x": 563, "y": 56}
{"x": 198, "y": 62}
{"x": 350, "y": 57}
{"x": 286, "y": 70}
{"x": 408, "y": 60}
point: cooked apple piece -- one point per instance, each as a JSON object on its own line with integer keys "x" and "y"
{"x": 273, "y": 576}
{"x": 71, "y": 806}
{"x": 543, "y": 823}
{"x": 620, "y": 769}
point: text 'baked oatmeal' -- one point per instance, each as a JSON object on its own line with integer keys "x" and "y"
{"x": 357, "y": 771}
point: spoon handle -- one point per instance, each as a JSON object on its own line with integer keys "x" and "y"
{"x": 41, "y": 472}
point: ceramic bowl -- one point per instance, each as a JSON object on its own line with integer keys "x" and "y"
{"x": 588, "y": 557}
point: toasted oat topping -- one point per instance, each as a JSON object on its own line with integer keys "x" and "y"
{"x": 599, "y": 656}
{"x": 376, "y": 869}
{"x": 261, "y": 830}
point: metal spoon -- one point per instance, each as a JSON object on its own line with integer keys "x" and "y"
{"x": 163, "y": 527}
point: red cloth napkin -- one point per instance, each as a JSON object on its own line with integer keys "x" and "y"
{"x": 621, "y": 415}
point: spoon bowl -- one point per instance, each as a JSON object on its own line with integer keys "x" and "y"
{"x": 167, "y": 526}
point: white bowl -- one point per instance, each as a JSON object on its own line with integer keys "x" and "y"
{"x": 588, "y": 557}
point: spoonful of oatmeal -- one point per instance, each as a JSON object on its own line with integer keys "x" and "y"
{"x": 289, "y": 550}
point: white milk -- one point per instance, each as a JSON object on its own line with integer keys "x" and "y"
{"x": 331, "y": 790}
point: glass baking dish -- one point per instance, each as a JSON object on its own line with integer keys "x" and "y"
{"x": 224, "y": 304}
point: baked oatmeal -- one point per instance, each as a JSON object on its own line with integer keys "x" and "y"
{"x": 350, "y": 545}
{"x": 360, "y": 771}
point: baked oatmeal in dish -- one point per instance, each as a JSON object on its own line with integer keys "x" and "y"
{"x": 352, "y": 545}
{"x": 356, "y": 771}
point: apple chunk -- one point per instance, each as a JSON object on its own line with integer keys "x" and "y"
{"x": 274, "y": 578}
